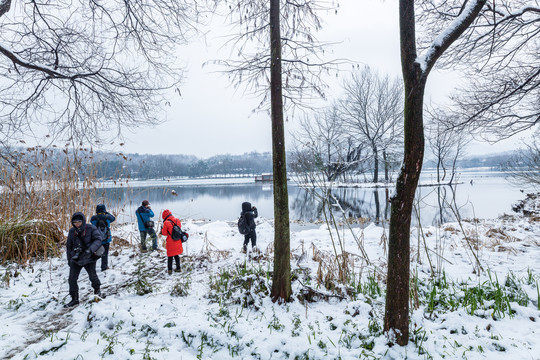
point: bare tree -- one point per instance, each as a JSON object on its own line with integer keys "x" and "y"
{"x": 83, "y": 70}
{"x": 373, "y": 109}
{"x": 499, "y": 56}
{"x": 415, "y": 70}
{"x": 524, "y": 167}
{"x": 447, "y": 144}
{"x": 323, "y": 145}
{"x": 284, "y": 68}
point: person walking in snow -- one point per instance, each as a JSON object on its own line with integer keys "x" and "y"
{"x": 82, "y": 242}
{"x": 174, "y": 247}
{"x": 146, "y": 226}
{"x": 250, "y": 213}
{"x": 102, "y": 220}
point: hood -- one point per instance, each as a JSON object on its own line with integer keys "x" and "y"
{"x": 79, "y": 215}
{"x": 101, "y": 209}
{"x": 166, "y": 213}
{"x": 246, "y": 206}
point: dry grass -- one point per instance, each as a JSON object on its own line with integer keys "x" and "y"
{"x": 40, "y": 190}
{"x": 22, "y": 240}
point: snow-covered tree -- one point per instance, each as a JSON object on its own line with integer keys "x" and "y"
{"x": 416, "y": 69}
{"x": 499, "y": 55}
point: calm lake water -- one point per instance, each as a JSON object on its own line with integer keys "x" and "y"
{"x": 481, "y": 194}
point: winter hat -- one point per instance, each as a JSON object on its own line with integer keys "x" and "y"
{"x": 101, "y": 208}
{"x": 77, "y": 217}
{"x": 145, "y": 202}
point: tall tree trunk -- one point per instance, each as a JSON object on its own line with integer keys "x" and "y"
{"x": 386, "y": 167}
{"x": 376, "y": 164}
{"x": 281, "y": 284}
{"x": 377, "y": 206}
{"x": 414, "y": 76}
{"x": 397, "y": 281}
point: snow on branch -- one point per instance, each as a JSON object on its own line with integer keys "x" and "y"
{"x": 468, "y": 14}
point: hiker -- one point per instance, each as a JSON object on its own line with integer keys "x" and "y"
{"x": 82, "y": 242}
{"x": 102, "y": 220}
{"x": 174, "y": 247}
{"x": 146, "y": 226}
{"x": 250, "y": 213}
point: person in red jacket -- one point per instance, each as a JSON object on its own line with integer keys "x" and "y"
{"x": 174, "y": 247}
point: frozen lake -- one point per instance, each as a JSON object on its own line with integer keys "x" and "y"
{"x": 481, "y": 194}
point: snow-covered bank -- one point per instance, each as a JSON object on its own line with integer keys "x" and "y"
{"x": 218, "y": 306}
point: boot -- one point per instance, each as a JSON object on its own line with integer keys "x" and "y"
{"x": 244, "y": 248}
{"x": 97, "y": 292}
{"x": 169, "y": 271}
{"x": 177, "y": 270}
{"x": 74, "y": 300}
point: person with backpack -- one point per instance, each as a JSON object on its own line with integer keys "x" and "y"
{"x": 172, "y": 229}
{"x": 82, "y": 242}
{"x": 146, "y": 226}
{"x": 102, "y": 220}
{"x": 249, "y": 213}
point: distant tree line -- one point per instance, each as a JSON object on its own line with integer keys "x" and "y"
{"x": 108, "y": 165}
{"x": 145, "y": 166}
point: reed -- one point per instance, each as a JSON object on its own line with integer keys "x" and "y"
{"x": 40, "y": 190}
{"x": 23, "y": 239}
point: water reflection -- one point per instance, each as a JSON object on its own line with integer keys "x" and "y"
{"x": 434, "y": 205}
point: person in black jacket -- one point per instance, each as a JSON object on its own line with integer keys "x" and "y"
{"x": 250, "y": 212}
{"x": 102, "y": 220}
{"x": 82, "y": 242}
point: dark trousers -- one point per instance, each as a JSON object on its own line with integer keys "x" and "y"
{"x": 176, "y": 260}
{"x": 75, "y": 270}
{"x": 105, "y": 257}
{"x": 152, "y": 234}
{"x": 251, "y": 235}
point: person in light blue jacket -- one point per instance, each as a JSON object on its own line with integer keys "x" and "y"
{"x": 146, "y": 226}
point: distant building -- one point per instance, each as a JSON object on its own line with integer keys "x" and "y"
{"x": 264, "y": 177}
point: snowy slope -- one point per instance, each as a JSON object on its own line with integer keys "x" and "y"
{"x": 218, "y": 306}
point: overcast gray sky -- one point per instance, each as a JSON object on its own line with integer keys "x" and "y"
{"x": 211, "y": 118}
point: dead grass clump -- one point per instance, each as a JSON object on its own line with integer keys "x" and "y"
{"x": 451, "y": 229}
{"x": 120, "y": 243}
{"x": 25, "y": 239}
{"x": 500, "y": 236}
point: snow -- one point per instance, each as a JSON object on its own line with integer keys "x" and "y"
{"x": 211, "y": 323}
{"x": 426, "y": 59}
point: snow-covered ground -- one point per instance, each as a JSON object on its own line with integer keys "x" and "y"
{"x": 218, "y": 306}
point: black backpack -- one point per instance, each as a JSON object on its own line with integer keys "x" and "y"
{"x": 177, "y": 233}
{"x": 103, "y": 228}
{"x": 243, "y": 226}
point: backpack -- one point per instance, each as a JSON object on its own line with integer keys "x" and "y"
{"x": 103, "y": 228}
{"x": 177, "y": 233}
{"x": 243, "y": 226}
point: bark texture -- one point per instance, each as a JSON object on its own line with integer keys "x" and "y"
{"x": 396, "y": 317}
{"x": 281, "y": 284}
